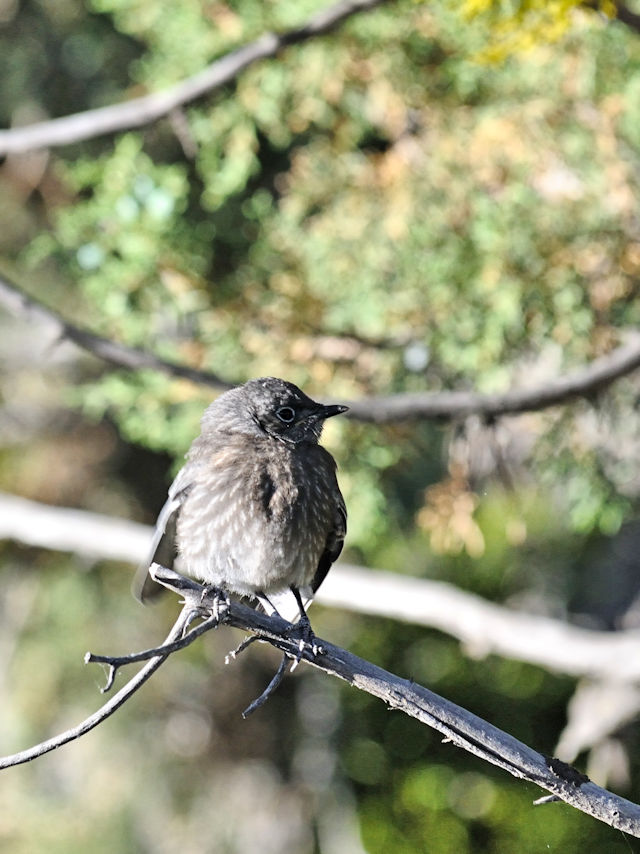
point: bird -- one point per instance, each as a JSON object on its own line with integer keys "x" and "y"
{"x": 256, "y": 510}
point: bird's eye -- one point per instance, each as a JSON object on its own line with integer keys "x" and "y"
{"x": 286, "y": 414}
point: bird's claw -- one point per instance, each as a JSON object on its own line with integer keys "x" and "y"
{"x": 218, "y": 598}
{"x": 307, "y": 642}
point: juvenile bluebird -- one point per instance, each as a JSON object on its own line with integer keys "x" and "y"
{"x": 256, "y": 510}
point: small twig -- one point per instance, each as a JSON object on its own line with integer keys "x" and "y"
{"x": 180, "y": 127}
{"x": 546, "y": 799}
{"x": 234, "y": 653}
{"x": 268, "y": 691}
{"x": 114, "y": 662}
{"x": 104, "y": 712}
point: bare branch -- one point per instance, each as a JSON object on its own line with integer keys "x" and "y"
{"x": 446, "y": 405}
{"x": 462, "y": 728}
{"x": 457, "y": 725}
{"x": 483, "y": 627}
{"x": 65, "y": 529}
{"x": 103, "y": 713}
{"x": 147, "y": 109}
{"x": 583, "y": 382}
{"x": 482, "y": 739}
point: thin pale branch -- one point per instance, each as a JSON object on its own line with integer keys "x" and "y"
{"x": 66, "y": 529}
{"x": 105, "y": 711}
{"x": 483, "y": 627}
{"x": 147, "y": 109}
{"x": 456, "y": 724}
{"x": 446, "y": 405}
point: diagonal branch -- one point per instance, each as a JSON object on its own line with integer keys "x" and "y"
{"x": 148, "y": 108}
{"x": 461, "y": 727}
{"x": 445, "y": 405}
{"x": 119, "y": 355}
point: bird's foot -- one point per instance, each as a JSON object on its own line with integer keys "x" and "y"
{"x": 213, "y": 602}
{"x": 307, "y": 641}
{"x": 219, "y": 600}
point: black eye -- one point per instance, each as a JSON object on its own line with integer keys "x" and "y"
{"x": 286, "y": 414}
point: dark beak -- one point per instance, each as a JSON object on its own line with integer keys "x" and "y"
{"x": 329, "y": 411}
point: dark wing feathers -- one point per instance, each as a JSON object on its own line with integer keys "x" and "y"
{"x": 333, "y": 547}
{"x": 163, "y": 546}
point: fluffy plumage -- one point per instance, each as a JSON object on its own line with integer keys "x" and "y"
{"x": 256, "y": 509}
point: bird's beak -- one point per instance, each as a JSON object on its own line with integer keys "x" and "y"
{"x": 334, "y": 409}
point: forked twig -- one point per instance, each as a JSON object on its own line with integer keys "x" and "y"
{"x": 115, "y": 662}
{"x": 105, "y": 711}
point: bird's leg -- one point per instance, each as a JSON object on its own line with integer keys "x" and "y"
{"x": 303, "y": 627}
{"x": 302, "y": 630}
{"x": 267, "y": 605}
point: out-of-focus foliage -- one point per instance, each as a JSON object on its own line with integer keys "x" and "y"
{"x": 374, "y": 211}
{"x": 523, "y": 25}
{"x": 342, "y": 200}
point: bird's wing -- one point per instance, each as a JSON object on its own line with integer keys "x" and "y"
{"x": 163, "y": 546}
{"x": 333, "y": 546}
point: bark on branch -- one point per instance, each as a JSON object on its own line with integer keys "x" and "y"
{"x": 457, "y": 725}
{"x": 583, "y": 382}
{"x": 148, "y": 108}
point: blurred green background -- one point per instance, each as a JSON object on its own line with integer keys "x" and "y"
{"x": 434, "y": 196}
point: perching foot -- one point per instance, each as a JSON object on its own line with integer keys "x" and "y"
{"x": 307, "y": 641}
{"x": 219, "y": 599}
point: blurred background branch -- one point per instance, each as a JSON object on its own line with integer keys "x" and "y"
{"x": 482, "y": 627}
{"x": 585, "y": 382}
{"x": 148, "y": 108}
{"x": 119, "y": 355}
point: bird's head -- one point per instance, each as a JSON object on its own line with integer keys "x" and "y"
{"x": 272, "y": 407}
